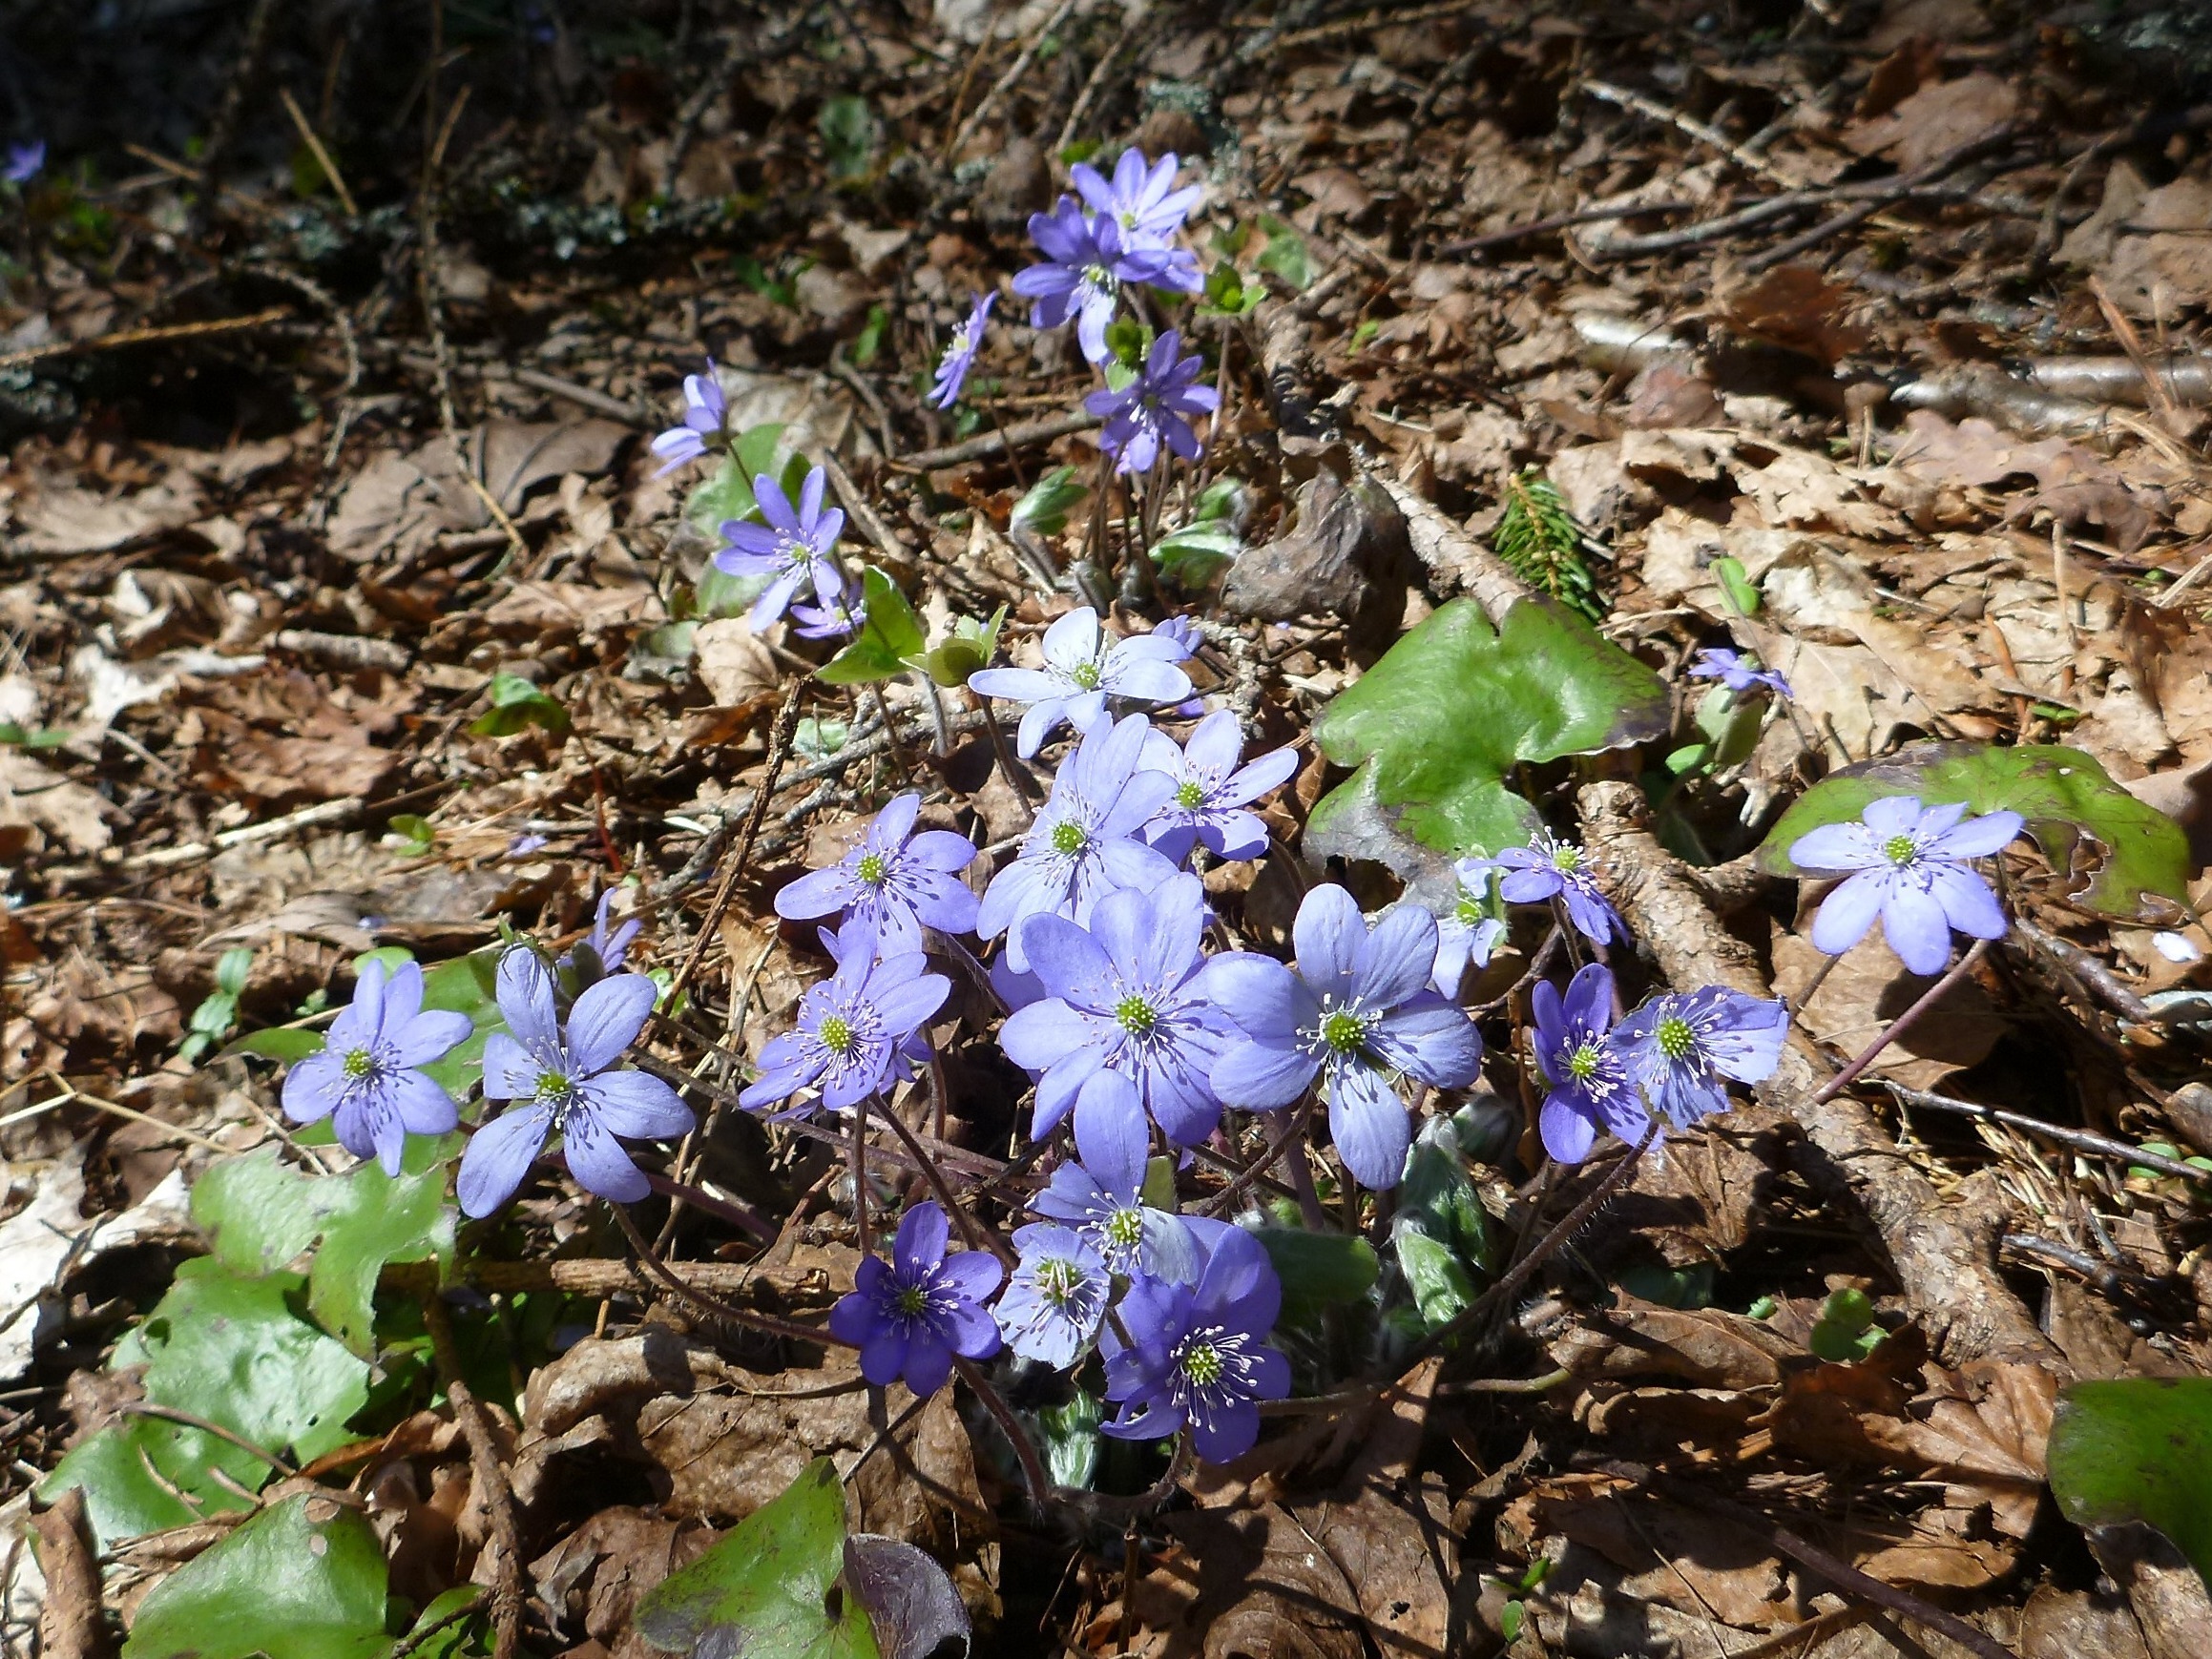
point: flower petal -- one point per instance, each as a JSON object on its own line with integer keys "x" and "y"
{"x": 1568, "y": 1135}
{"x": 1978, "y": 838}
{"x": 1328, "y": 935}
{"x": 1112, "y": 1136}
{"x": 1969, "y": 904}
{"x": 1849, "y": 911}
{"x": 920, "y": 1244}
{"x": 1836, "y": 846}
{"x": 525, "y": 993}
{"x": 498, "y": 1157}
{"x": 606, "y": 1019}
{"x": 1260, "y": 1079}
{"x": 637, "y": 1105}
{"x": 1915, "y": 927}
{"x": 599, "y": 1164}
{"x": 1369, "y": 1125}
{"x": 1396, "y": 959}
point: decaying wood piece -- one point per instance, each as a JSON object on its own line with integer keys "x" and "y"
{"x": 1943, "y": 1256}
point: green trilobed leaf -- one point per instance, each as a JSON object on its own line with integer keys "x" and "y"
{"x": 2138, "y": 1448}
{"x": 2062, "y": 793}
{"x": 1317, "y": 1269}
{"x": 764, "y": 1590}
{"x": 1434, "y": 728}
{"x": 303, "y": 1580}
{"x": 261, "y": 1216}
{"x": 231, "y": 1350}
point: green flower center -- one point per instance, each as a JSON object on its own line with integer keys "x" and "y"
{"x": 1201, "y": 1363}
{"x": 554, "y": 1088}
{"x": 1086, "y": 676}
{"x": 873, "y": 868}
{"x": 1899, "y": 849}
{"x": 1135, "y": 1016}
{"x": 1057, "y": 1279}
{"x": 1190, "y": 797}
{"x": 913, "y": 1302}
{"x": 1566, "y": 860}
{"x": 1582, "y": 1064}
{"x": 1070, "y": 837}
{"x": 1469, "y": 909}
{"x": 1343, "y": 1031}
{"x": 1099, "y": 277}
{"x": 1126, "y": 1227}
{"x": 359, "y": 1062}
{"x": 837, "y": 1035}
{"x": 1676, "y": 1040}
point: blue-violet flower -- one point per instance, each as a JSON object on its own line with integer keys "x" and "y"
{"x": 910, "y": 1314}
{"x": 368, "y": 1071}
{"x": 1101, "y": 1193}
{"x": 895, "y": 882}
{"x": 1142, "y": 199}
{"x": 1212, "y": 789}
{"x": 1055, "y": 1296}
{"x": 24, "y": 161}
{"x": 1199, "y": 1353}
{"x": 1086, "y": 262}
{"x": 1083, "y": 666}
{"x": 1467, "y": 932}
{"x": 960, "y": 353}
{"x": 704, "y": 409}
{"x": 1585, "y": 1064}
{"x": 1155, "y": 407}
{"x": 1124, "y": 997}
{"x": 792, "y": 548}
{"x": 565, "y": 1083}
{"x": 1737, "y": 672}
{"x": 1357, "y": 1011}
{"x": 1549, "y": 868}
{"x": 1909, "y": 868}
{"x": 1680, "y": 1046}
{"x": 852, "y": 1027}
{"x": 1082, "y": 845}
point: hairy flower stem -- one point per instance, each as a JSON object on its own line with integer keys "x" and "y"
{"x": 684, "y": 1193}
{"x": 1025, "y": 787}
{"x": 1298, "y": 1173}
{"x": 1813, "y": 985}
{"x": 1294, "y": 1127}
{"x": 1033, "y": 1466}
{"x": 940, "y": 729}
{"x": 745, "y": 1319}
{"x": 973, "y": 1230}
{"x": 1902, "y": 1024}
{"x": 860, "y": 1179}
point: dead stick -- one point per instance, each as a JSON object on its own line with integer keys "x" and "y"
{"x": 307, "y": 137}
{"x": 2082, "y": 1140}
{"x": 145, "y": 337}
{"x": 779, "y": 748}
{"x": 490, "y": 1482}
{"x": 71, "y": 1623}
{"x": 990, "y": 444}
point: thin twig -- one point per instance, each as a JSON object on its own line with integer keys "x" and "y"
{"x": 492, "y": 1483}
{"x": 2082, "y": 1140}
{"x": 1033, "y": 1468}
{"x": 779, "y": 748}
{"x": 124, "y": 337}
{"x": 1014, "y": 73}
{"x": 1903, "y": 1023}
{"x": 322, "y": 155}
{"x": 989, "y": 444}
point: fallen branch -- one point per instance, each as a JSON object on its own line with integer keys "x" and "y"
{"x": 123, "y": 337}
{"x": 1943, "y": 1255}
{"x": 991, "y": 443}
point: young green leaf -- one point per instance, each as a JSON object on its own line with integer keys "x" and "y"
{"x": 1434, "y": 728}
{"x": 2062, "y": 793}
{"x": 848, "y": 136}
{"x": 517, "y": 705}
{"x": 1284, "y": 254}
{"x": 888, "y": 635}
{"x": 1044, "y": 506}
{"x": 1070, "y": 1438}
{"x": 1317, "y": 1269}
{"x": 969, "y": 647}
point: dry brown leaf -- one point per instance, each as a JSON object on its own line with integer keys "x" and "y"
{"x": 39, "y": 805}
{"x": 537, "y": 609}
{"x": 61, "y": 518}
{"x": 1705, "y": 1347}
{"x": 2070, "y": 1624}
{"x": 1936, "y": 118}
{"x": 733, "y": 662}
{"x": 2165, "y": 260}
{"x": 1796, "y": 308}
{"x": 1244, "y": 1582}
{"x": 1672, "y": 1554}
{"x": 2078, "y": 485}
{"x": 1869, "y": 987}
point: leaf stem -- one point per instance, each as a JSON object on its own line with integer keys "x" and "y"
{"x": 1902, "y": 1024}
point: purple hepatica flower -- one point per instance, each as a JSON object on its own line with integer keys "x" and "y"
{"x": 1212, "y": 790}
{"x": 1680, "y": 1047}
{"x": 1124, "y": 998}
{"x": 1358, "y": 1011}
{"x": 1155, "y": 407}
{"x": 910, "y": 1314}
{"x": 1198, "y": 1354}
{"x": 1086, "y": 262}
{"x": 1101, "y": 1194}
{"x": 1141, "y": 200}
{"x": 523, "y": 845}
{"x": 1909, "y": 868}
{"x": 853, "y": 1028}
{"x": 564, "y": 1084}
{"x": 1056, "y": 1299}
{"x": 703, "y": 411}
{"x": 1082, "y": 845}
{"x": 1467, "y": 932}
{"x": 1739, "y": 673}
{"x": 24, "y": 162}
{"x": 366, "y": 1071}
{"x": 602, "y": 951}
{"x": 1586, "y": 1067}
{"x": 792, "y": 548}
{"x": 960, "y": 354}
{"x": 1549, "y": 868}
{"x": 1085, "y": 665}
{"x": 838, "y": 620}
{"x": 894, "y": 882}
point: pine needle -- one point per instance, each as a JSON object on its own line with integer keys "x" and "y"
{"x": 1539, "y": 538}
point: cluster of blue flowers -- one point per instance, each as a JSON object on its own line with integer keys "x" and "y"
{"x": 1136, "y": 1036}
